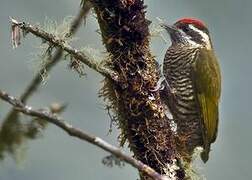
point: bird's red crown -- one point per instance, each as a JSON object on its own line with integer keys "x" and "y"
{"x": 194, "y": 21}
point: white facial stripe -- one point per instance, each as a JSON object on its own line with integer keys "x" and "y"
{"x": 188, "y": 39}
{"x": 203, "y": 35}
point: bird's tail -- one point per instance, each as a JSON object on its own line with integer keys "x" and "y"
{"x": 205, "y": 154}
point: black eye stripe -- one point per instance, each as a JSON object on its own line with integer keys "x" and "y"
{"x": 192, "y": 34}
{"x": 187, "y": 30}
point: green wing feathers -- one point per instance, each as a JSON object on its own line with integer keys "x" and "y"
{"x": 209, "y": 110}
{"x": 207, "y": 80}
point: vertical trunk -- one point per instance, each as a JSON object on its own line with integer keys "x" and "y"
{"x": 125, "y": 34}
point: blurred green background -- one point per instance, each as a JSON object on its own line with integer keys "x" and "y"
{"x": 59, "y": 157}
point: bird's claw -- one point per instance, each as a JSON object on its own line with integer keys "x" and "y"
{"x": 159, "y": 85}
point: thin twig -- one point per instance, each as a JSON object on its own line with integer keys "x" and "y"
{"x": 75, "y": 132}
{"x": 80, "y": 18}
{"x": 56, "y": 42}
{"x": 54, "y": 59}
{"x": 75, "y": 24}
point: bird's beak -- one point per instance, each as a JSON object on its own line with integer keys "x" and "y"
{"x": 171, "y": 29}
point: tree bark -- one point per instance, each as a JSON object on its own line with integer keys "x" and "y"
{"x": 125, "y": 34}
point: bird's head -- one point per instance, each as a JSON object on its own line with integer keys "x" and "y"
{"x": 189, "y": 31}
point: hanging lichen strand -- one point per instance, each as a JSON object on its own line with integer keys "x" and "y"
{"x": 125, "y": 34}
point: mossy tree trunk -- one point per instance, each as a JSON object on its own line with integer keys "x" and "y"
{"x": 125, "y": 34}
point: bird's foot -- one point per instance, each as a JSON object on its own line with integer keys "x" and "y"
{"x": 160, "y": 85}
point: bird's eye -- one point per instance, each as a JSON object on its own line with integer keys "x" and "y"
{"x": 186, "y": 29}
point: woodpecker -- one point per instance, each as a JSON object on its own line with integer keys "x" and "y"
{"x": 193, "y": 88}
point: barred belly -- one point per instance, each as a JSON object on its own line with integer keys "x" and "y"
{"x": 183, "y": 106}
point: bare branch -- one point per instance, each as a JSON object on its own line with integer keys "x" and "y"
{"x": 75, "y": 132}
{"x": 13, "y": 131}
{"x": 56, "y": 42}
{"x": 79, "y": 18}
{"x": 32, "y": 87}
